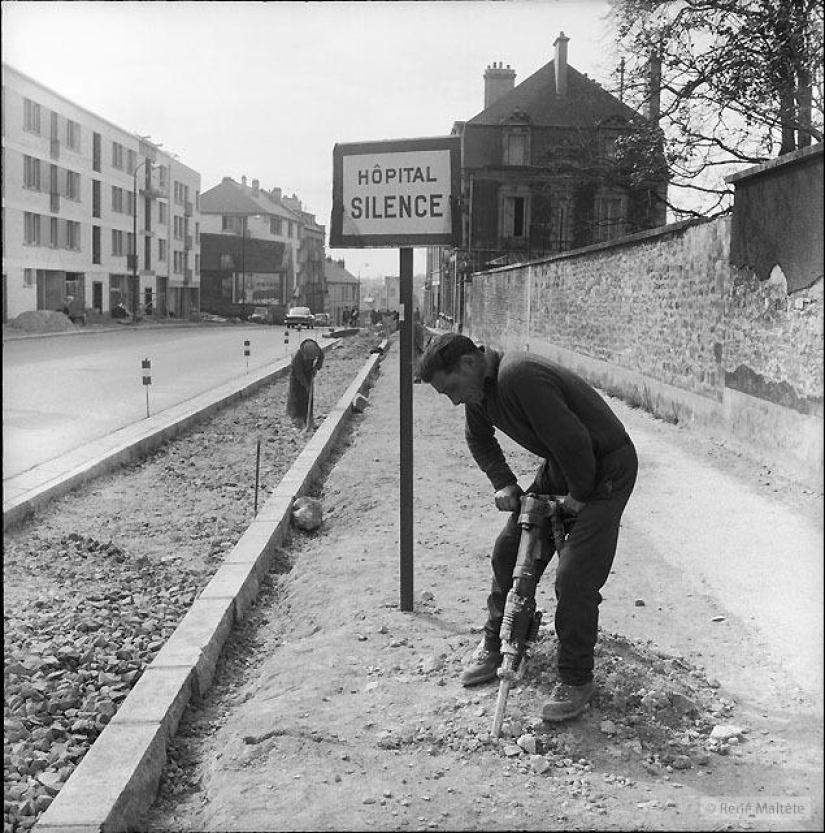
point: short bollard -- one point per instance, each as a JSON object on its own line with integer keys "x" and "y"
{"x": 147, "y": 380}
{"x": 286, "y": 338}
{"x": 246, "y": 352}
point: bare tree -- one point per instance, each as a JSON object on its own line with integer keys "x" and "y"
{"x": 734, "y": 82}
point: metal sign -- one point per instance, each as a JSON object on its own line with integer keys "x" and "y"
{"x": 396, "y": 193}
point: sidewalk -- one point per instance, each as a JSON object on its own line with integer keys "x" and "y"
{"x": 349, "y": 715}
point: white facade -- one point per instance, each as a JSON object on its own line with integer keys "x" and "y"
{"x": 75, "y": 191}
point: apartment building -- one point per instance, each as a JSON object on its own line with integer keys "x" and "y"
{"x": 92, "y": 211}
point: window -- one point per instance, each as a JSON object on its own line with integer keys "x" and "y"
{"x": 31, "y": 173}
{"x": 117, "y": 242}
{"x": 130, "y": 161}
{"x": 515, "y": 148}
{"x": 514, "y": 217}
{"x": 28, "y": 277}
{"x": 96, "y": 139}
{"x": 54, "y": 233}
{"x": 130, "y": 243}
{"x": 95, "y": 198}
{"x": 178, "y": 227}
{"x": 177, "y": 262}
{"x": 117, "y": 199}
{"x": 197, "y": 264}
{"x": 117, "y": 155}
{"x": 31, "y": 116}
{"x": 73, "y": 235}
{"x": 162, "y": 176}
{"x": 163, "y": 216}
{"x": 130, "y": 202}
{"x": 162, "y": 250}
{"x": 610, "y": 216}
{"x": 95, "y": 244}
{"x": 72, "y": 134}
{"x": 276, "y": 226}
{"x": 31, "y": 228}
{"x": 73, "y": 185}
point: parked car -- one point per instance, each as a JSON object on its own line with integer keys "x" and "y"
{"x": 322, "y": 319}
{"x": 260, "y": 315}
{"x": 299, "y": 317}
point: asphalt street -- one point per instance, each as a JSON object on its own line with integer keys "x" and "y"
{"x": 60, "y": 392}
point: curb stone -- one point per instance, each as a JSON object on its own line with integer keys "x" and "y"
{"x": 25, "y": 493}
{"x": 118, "y": 779}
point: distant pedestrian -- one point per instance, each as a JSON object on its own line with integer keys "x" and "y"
{"x": 307, "y": 361}
{"x": 345, "y": 316}
{"x": 353, "y": 317}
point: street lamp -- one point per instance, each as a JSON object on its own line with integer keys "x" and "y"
{"x": 135, "y": 287}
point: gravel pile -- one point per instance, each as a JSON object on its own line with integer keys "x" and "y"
{"x": 41, "y": 321}
{"x": 96, "y": 583}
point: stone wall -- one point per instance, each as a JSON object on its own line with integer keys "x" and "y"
{"x": 663, "y": 320}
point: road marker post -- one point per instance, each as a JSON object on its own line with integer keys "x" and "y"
{"x": 246, "y": 352}
{"x": 146, "y": 364}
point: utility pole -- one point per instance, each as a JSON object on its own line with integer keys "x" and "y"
{"x": 135, "y": 286}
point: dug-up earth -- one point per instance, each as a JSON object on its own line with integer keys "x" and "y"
{"x": 334, "y": 710}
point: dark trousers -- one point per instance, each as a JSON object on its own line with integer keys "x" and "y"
{"x": 583, "y": 566}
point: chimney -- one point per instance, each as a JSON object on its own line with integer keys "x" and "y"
{"x": 653, "y": 106}
{"x": 256, "y": 185}
{"x": 227, "y": 180}
{"x": 243, "y": 180}
{"x": 498, "y": 81}
{"x": 561, "y": 64}
{"x": 276, "y": 194}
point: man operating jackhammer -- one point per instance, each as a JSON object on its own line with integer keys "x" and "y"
{"x": 588, "y": 460}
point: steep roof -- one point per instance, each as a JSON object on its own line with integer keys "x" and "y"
{"x": 585, "y": 104}
{"x": 335, "y": 273}
{"x": 230, "y": 197}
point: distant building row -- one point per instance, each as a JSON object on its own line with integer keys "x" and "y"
{"x": 81, "y": 196}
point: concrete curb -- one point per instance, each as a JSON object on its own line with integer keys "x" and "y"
{"x": 117, "y": 780}
{"x": 31, "y": 490}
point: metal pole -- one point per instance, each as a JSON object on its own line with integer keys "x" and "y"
{"x": 257, "y": 470}
{"x": 243, "y": 267}
{"x": 406, "y": 432}
{"x": 135, "y": 292}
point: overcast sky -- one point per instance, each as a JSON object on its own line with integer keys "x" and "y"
{"x": 266, "y": 89}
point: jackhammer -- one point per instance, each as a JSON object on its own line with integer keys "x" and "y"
{"x": 520, "y": 625}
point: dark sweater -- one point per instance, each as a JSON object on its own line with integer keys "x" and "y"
{"x": 547, "y": 410}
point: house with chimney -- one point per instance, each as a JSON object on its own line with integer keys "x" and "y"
{"x": 541, "y": 174}
{"x": 343, "y": 289}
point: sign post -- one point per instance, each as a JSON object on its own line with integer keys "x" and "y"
{"x": 401, "y": 194}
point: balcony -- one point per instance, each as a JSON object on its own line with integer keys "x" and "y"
{"x": 187, "y": 241}
{"x": 187, "y": 208}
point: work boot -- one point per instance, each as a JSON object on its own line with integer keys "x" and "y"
{"x": 567, "y": 701}
{"x": 483, "y": 667}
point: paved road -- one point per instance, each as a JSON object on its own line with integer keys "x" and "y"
{"x": 62, "y": 392}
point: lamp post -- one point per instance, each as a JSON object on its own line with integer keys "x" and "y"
{"x": 135, "y": 287}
